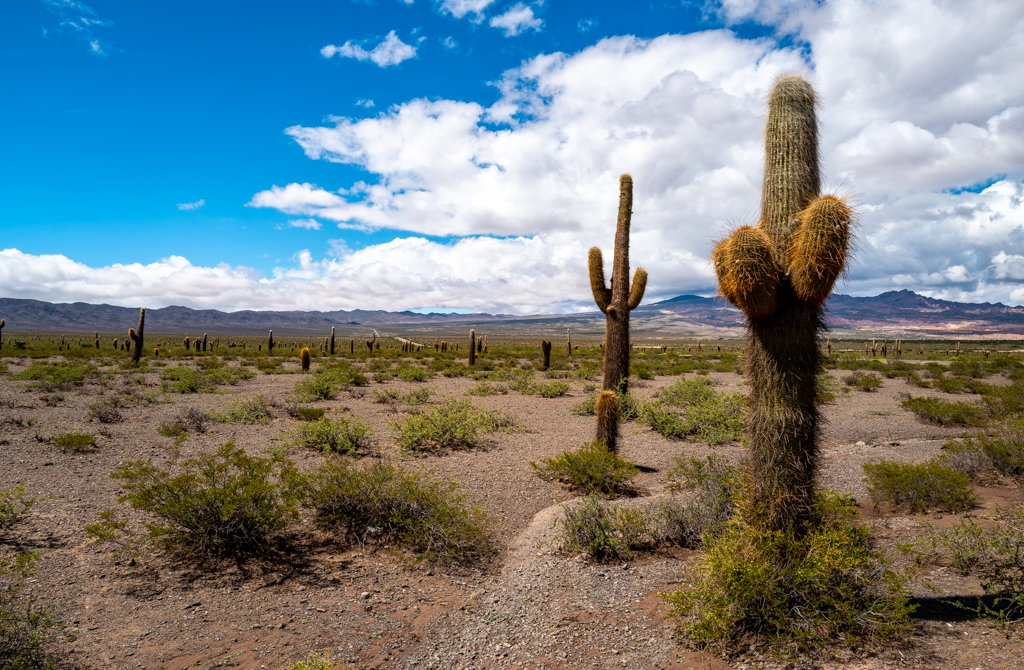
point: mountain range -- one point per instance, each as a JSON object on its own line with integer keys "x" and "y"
{"x": 893, "y": 314}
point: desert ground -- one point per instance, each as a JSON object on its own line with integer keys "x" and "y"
{"x": 530, "y": 605}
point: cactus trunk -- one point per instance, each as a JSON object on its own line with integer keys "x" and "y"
{"x": 332, "y": 341}
{"x": 472, "y": 347}
{"x": 136, "y": 336}
{"x": 545, "y": 349}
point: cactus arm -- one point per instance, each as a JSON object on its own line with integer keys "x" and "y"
{"x": 602, "y": 295}
{"x": 636, "y": 292}
{"x": 818, "y": 248}
{"x": 748, "y": 275}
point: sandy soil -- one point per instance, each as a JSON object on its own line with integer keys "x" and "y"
{"x": 532, "y": 607}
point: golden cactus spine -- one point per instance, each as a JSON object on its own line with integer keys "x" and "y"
{"x": 779, "y": 273}
{"x": 136, "y": 336}
{"x": 304, "y": 359}
{"x": 617, "y": 301}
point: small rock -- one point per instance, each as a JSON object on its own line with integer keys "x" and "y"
{"x": 365, "y": 595}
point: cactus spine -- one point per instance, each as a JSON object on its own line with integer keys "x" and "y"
{"x": 779, "y": 274}
{"x": 472, "y": 347}
{"x": 136, "y": 336}
{"x": 617, "y": 301}
{"x": 545, "y": 349}
{"x": 304, "y": 359}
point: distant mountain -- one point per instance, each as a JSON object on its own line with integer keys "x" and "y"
{"x": 895, "y": 313}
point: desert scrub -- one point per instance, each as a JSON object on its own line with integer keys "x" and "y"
{"x": 1001, "y": 452}
{"x": 552, "y": 389}
{"x": 413, "y": 374}
{"x": 827, "y": 388}
{"x": 385, "y": 503}
{"x": 306, "y": 413}
{"x": 74, "y": 441}
{"x": 418, "y": 397}
{"x": 319, "y": 660}
{"x": 251, "y": 410}
{"x": 225, "y": 504}
{"x": 386, "y": 396}
{"x": 14, "y": 506}
{"x": 713, "y": 485}
{"x": 106, "y": 411}
{"x": 185, "y": 379}
{"x": 706, "y": 414}
{"x": 868, "y": 382}
{"x": 946, "y": 413}
{"x": 785, "y": 593}
{"x": 30, "y": 634}
{"x": 485, "y": 388}
{"x": 1005, "y": 401}
{"x": 994, "y": 555}
{"x": 604, "y": 531}
{"x": 314, "y": 388}
{"x": 51, "y": 376}
{"x": 591, "y": 469}
{"x": 919, "y": 487}
{"x": 453, "y": 423}
{"x": 343, "y": 435}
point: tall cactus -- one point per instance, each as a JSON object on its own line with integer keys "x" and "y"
{"x": 332, "y": 341}
{"x": 136, "y": 336}
{"x": 779, "y": 274}
{"x": 2, "y": 323}
{"x": 472, "y": 347}
{"x": 617, "y": 301}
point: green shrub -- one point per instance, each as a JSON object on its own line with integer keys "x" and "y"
{"x": 106, "y": 411}
{"x": 827, "y": 388}
{"x": 171, "y": 428}
{"x": 184, "y": 378}
{"x": 418, "y": 397}
{"x": 453, "y": 423}
{"x": 966, "y": 368}
{"x": 920, "y": 487}
{"x": 74, "y": 441}
{"x": 711, "y": 416}
{"x": 413, "y": 374}
{"x": 585, "y": 407}
{"x": 226, "y": 504}
{"x": 30, "y": 634}
{"x": 310, "y": 413}
{"x": 605, "y": 532}
{"x": 945, "y": 413}
{"x": 268, "y": 365}
{"x": 994, "y": 555}
{"x": 714, "y": 484}
{"x": 784, "y": 593}
{"x": 386, "y": 396}
{"x": 1002, "y": 452}
{"x": 1005, "y": 400}
{"x": 552, "y": 389}
{"x": 314, "y": 388}
{"x": 14, "y": 506}
{"x": 641, "y": 370}
{"x": 52, "y": 376}
{"x": 385, "y": 503}
{"x": 342, "y": 435}
{"x": 252, "y": 410}
{"x": 592, "y": 469}
{"x": 318, "y": 661}
{"x": 868, "y": 382}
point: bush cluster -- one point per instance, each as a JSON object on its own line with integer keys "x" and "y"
{"x": 946, "y": 413}
{"x": 1001, "y": 452}
{"x": 74, "y": 441}
{"x": 452, "y": 424}
{"x": 254, "y": 409}
{"x": 30, "y": 634}
{"x": 707, "y": 414}
{"x": 591, "y": 469}
{"x": 863, "y": 381}
{"x": 919, "y": 487}
{"x": 342, "y": 435}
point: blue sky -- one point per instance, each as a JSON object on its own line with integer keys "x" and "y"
{"x": 463, "y": 154}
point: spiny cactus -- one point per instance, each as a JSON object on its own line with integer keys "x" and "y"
{"x": 472, "y": 347}
{"x": 136, "y": 336}
{"x": 304, "y": 359}
{"x": 617, "y": 301}
{"x": 188, "y": 343}
{"x": 156, "y": 352}
{"x": 779, "y": 274}
{"x": 3, "y": 322}
{"x": 204, "y": 341}
{"x": 270, "y": 342}
{"x": 331, "y": 348}
{"x": 607, "y": 410}
{"x": 545, "y": 349}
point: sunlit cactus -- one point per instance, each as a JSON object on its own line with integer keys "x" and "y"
{"x": 621, "y": 297}
{"x": 304, "y": 359}
{"x": 779, "y": 274}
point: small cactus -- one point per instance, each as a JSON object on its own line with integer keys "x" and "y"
{"x": 621, "y": 298}
{"x": 136, "y": 336}
{"x": 156, "y": 352}
{"x": 607, "y": 410}
{"x": 304, "y": 359}
{"x": 472, "y": 347}
{"x": 204, "y": 341}
{"x": 270, "y": 342}
{"x": 545, "y": 348}
{"x": 187, "y": 343}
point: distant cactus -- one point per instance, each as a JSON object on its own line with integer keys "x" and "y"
{"x": 779, "y": 274}
{"x": 352, "y": 346}
{"x": 472, "y": 347}
{"x": 156, "y": 352}
{"x": 136, "y": 336}
{"x": 617, "y": 301}
{"x": 4, "y": 322}
{"x": 188, "y": 343}
{"x": 96, "y": 339}
{"x": 204, "y": 341}
{"x": 607, "y": 410}
{"x": 331, "y": 348}
{"x": 304, "y": 359}
{"x": 545, "y": 348}
{"x": 270, "y": 342}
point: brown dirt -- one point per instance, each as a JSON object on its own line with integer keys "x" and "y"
{"x": 531, "y": 608}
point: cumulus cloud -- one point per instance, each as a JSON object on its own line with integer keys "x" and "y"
{"x": 186, "y": 206}
{"x": 517, "y": 19}
{"x": 389, "y": 51}
{"x": 460, "y": 8}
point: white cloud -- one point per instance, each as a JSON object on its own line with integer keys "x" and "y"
{"x": 78, "y": 19}
{"x": 389, "y": 51}
{"x": 586, "y": 25}
{"x": 460, "y": 8}
{"x": 186, "y": 206}
{"x": 308, "y": 224}
{"x": 517, "y": 19}
{"x": 450, "y": 43}
{"x": 365, "y": 103}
